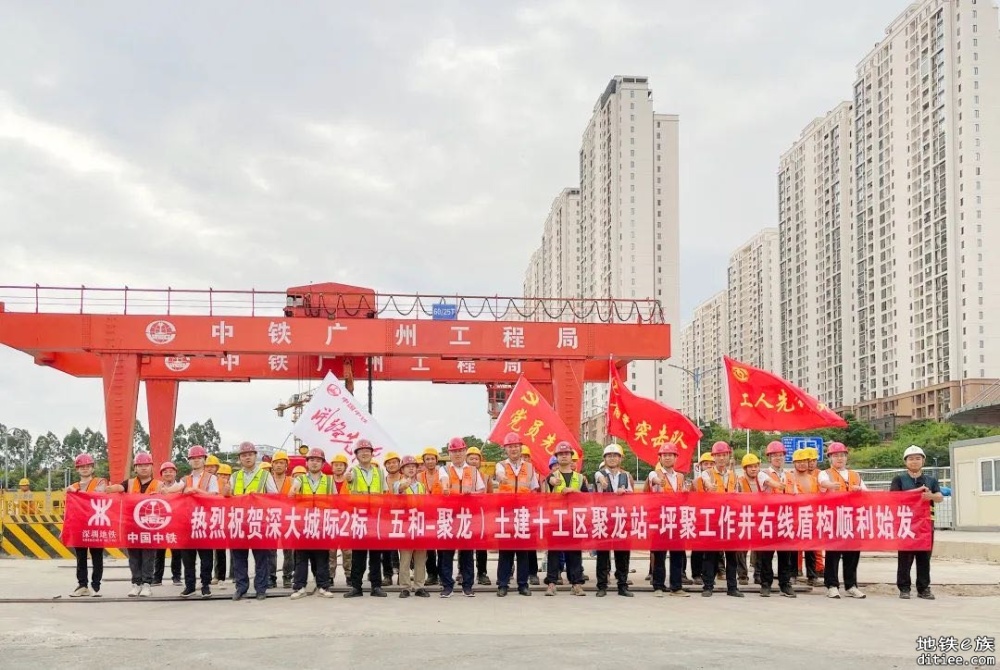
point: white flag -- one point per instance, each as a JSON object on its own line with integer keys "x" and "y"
{"x": 334, "y": 421}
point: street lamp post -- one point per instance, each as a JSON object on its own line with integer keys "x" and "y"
{"x": 696, "y": 376}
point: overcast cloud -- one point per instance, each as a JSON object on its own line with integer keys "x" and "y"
{"x": 252, "y": 144}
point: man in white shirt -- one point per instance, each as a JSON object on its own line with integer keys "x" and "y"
{"x": 837, "y": 478}
{"x": 199, "y": 481}
{"x": 611, "y": 479}
{"x": 664, "y": 479}
{"x": 460, "y": 478}
{"x": 514, "y": 475}
{"x": 776, "y": 480}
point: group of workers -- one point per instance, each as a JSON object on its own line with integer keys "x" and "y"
{"x": 419, "y": 568}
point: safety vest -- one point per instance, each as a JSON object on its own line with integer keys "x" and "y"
{"x": 324, "y": 487}
{"x": 135, "y": 487}
{"x": 341, "y": 485}
{"x": 202, "y": 483}
{"x": 257, "y": 483}
{"x": 699, "y": 485}
{"x": 359, "y": 485}
{"x": 785, "y": 483}
{"x": 623, "y": 481}
{"x": 720, "y": 485}
{"x": 853, "y": 478}
{"x": 464, "y": 484}
{"x": 91, "y": 485}
{"x": 286, "y": 484}
{"x": 516, "y": 482}
{"x": 666, "y": 486}
{"x": 811, "y": 484}
{"x": 431, "y": 483}
{"x": 575, "y": 482}
{"x": 746, "y": 485}
{"x": 416, "y": 488}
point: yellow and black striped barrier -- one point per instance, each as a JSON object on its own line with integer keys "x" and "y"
{"x": 37, "y": 536}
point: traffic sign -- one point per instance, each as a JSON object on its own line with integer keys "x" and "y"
{"x": 802, "y": 442}
{"x": 443, "y": 311}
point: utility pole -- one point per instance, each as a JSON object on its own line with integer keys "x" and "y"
{"x": 696, "y": 376}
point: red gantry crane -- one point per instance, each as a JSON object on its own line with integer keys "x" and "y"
{"x": 162, "y": 337}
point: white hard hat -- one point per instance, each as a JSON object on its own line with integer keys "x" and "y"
{"x": 913, "y": 450}
{"x": 614, "y": 449}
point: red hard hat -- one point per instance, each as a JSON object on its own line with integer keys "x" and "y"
{"x": 668, "y": 448}
{"x": 721, "y": 447}
{"x": 142, "y": 458}
{"x": 774, "y": 447}
{"x": 168, "y": 466}
{"x": 836, "y": 448}
{"x": 407, "y": 460}
{"x": 247, "y": 448}
{"x": 83, "y": 459}
{"x": 512, "y": 440}
{"x": 456, "y": 444}
{"x": 316, "y": 452}
{"x": 563, "y": 447}
{"x": 363, "y": 444}
{"x": 197, "y": 451}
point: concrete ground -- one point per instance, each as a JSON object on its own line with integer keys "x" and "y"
{"x": 485, "y": 631}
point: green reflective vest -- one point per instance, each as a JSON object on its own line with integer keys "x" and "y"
{"x": 324, "y": 487}
{"x": 257, "y": 483}
{"x": 576, "y": 481}
{"x": 359, "y": 485}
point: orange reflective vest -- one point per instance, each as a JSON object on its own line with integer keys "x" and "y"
{"x": 853, "y": 479}
{"x": 722, "y": 486}
{"x": 804, "y": 483}
{"x": 746, "y": 486}
{"x": 464, "y": 484}
{"x": 699, "y": 485}
{"x": 516, "y": 482}
{"x": 202, "y": 483}
{"x": 431, "y": 479}
{"x": 91, "y": 485}
{"x": 783, "y": 485}
{"x": 676, "y": 486}
{"x": 134, "y": 486}
{"x": 286, "y": 485}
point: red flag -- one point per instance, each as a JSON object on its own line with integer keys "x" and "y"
{"x": 529, "y": 415}
{"x": 760, "y": 400}
{"x": 647, "y": 425}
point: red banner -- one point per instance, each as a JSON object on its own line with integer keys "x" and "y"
{"x": 871, "y": 521}
{"x": 761, "y": 400}
{"x": 529, "y": 415}
{"x": 647, "y": 425}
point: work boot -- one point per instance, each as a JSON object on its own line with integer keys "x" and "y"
{"x": 601, "y": 593}
{"x": 404, "y": 594}
{"x": 501, "y": 591}
{"x": 432, "y": 580}
{"x": 735, "y": 594}
{"x": 377, "y": 592}
{"x": 686, "y": 581}
{"x": 533, "y": 580}
{"x": 523, "y": 591}
{"x": 765, "y": 591}
{"x": 422, "y": 593}
{"x": 788, "y": 592}
{"x": 926, "y": 595}
{"x": 904, "y": 595}
{"x": 484, "y": 580}
{"x": 354, "y": 593}
{"x": 623, "y": 591}
{"x": 286, "y": 583}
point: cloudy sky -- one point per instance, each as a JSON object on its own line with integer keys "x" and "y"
{"x": 260, "y": 144}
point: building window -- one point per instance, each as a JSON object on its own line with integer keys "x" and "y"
{"x": 989, "y": 476}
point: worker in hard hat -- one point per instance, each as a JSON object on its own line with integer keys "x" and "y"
{"x": 200, "y": 482}
{"x": 665, "y": 479}
{"x": 390, "y": 557}
{"x": 915, "y": 479}
{"x": 459, "y": 477}
{"x": 365, "y": 478}
{"x": 250, "y": 478}
{"x": 313, "y": 483}
{"x": 412, "y": 580}
{"x": 805, "y": 483}
{"x": 515, "y": 475}
{"x": 720, "y": 478}
{"x": 533, "y": 554}
{"x": 432, "y": 478}
{"x": 612, "y": 480}
{"x": 88, "y": 483}
{"x": 748, "y": 483}
{"x": 474, "y": 457}
{"x": 705, "y": 463}
{"x": 168, "y": 484}
{"x": 839, "y": 479}
{"x": 283, "y": 482}
{"x": 212, "y": 465}
{"x": 338, "y": 468}
{"x": 775, "y": 480}
{"x": 565, "y": 480}
{"x": 222, "y": 472}
{"x": 141, "y": 562}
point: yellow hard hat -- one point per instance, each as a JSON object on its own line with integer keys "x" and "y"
{"x": 813, "y": 453}
{"x": 801, "y": 454}
{"x": 391, "y": 455}
{"x": 576, "y": 456}
{"x": 212, "y": 460}
{"x": 750, "y": 459}
{"x": 525, "y": 451}
{"x": 474, "y": 451}
{"x": 299, "y": 470}
{"x": 266, "y": 465}
{"x": 706, "y": 458}
{"x": 431, "y": 451}
{"x": 339, "y": 458}
{"x": 224, "y": 469}
{"x": 279, "y": 455}
{"x": 24, "y": 482}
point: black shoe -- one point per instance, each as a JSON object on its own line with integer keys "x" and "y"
{"x": 623, "y": 591}
{"x": 159, "y": 583}
{"x": 484, "y": 580}
{"x": 736, "y": 594}
{"x": 533, "y": 580}
{"x": 468, "y": 593}
{"x": 176, "y": 581}
{"x": 501, "y": 591}
{"x": 765, "y": 592}
{"x": 404, "y": 594}
{"x": 377, "y": 592}
{"x": 788, "y": 592}
{"x": 354, "y": 593}
{"x": 523, "y": 591}
{"x": 422, "y": 593}
{"x": 431, "y": 581}
{"x": 189, "y": 591}
{"x": 206, "y": 592}
{"x": 601, "y": 593}
{"x": 272, "y": 583}
{"x": 904, "y": 595}
{"x": 286, "y": 583}
{"x": 261, "y": 596}
{"x": 926, "y": 595}
{"x": 706, "y": 594}
{"x": 238, "y": 595}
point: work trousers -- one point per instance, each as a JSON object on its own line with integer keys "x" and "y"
{"x": 815, "y": 567}
{"x": 904, "y": 562}
{"x": 533, "y": 563}
{"x": 261, "y": 569}
{"x": 345, "y": 557}
{"x": 433, "y": 569}
{"x": 574, "y": 567}
{"x": 97, "y": 558}
{"x": 415, "y": 577}
{"x": 318, "y": 560}
{"x": 288, "y": 565}
{"x": 481, "y": 559}
{"x": 622, "y": 559}
{"x": 505, "y": 567}
{"x": 390, "y": 562}
{"x": 362, "y": 559}
{"x": 466, "y": 568}
{"x": 142, "y": 563}
{"x": 161, "y": 564}
{"x": 786, "y": 568}
{"x": 741, "y": 565}
{"x": 659, "y": 580}
{"x": 220, "y": 564}
{"x": 710, "y": 566}
{"x": 830, "y": 574}
{"x": 697, "y": 561}
{"x": 205, "y": 556}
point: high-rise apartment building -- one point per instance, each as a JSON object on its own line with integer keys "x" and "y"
{"x": 754, "y": 295}
{"x": 627, "y": 237}
{"x": 703, "y": 343}
{"x": 816, "y": 269}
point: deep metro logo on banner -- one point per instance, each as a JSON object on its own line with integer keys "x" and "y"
{"x": 868, "y": 521}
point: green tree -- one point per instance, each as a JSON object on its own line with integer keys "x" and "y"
{"x": 140, "y": 440}
{"x": 180, "y": 443}
{"x": 211, "y": 437}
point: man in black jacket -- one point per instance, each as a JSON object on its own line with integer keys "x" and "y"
{"x": 915, "y": 479}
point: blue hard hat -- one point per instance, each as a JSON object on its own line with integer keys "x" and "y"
{"x": 945, "y": 491}
{"x": 552, "y": 462}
